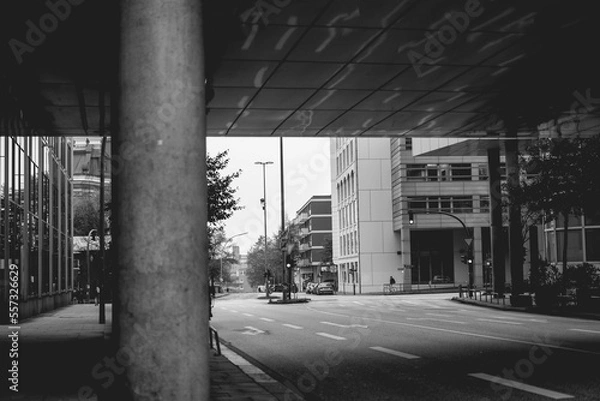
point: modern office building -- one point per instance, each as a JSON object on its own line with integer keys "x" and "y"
{"x": 313, "y": 226}
{"x": 365, "y": 245}
{"x": 583, "y": 244}
{"x": 36, "y": 223}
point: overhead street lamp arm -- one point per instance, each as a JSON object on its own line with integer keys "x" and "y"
{"x": 467, "y": 232}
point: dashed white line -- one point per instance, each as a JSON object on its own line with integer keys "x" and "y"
{"x": 292, "y": 326}
{"x": 234, "y": 311}
{"x": 327, "y": 335}
{"x": 586, "y": 331}
{"x": 497, "y": 321}
{"x": 435, "y": 320}
{"x": 248, "y": 314}
{"x": 346, "y": 326}
{"x": 522, "y": 386}
{"x": 266, "y": 319}
{"x": 394, "y": 352}
{"x": 358, "y": 303}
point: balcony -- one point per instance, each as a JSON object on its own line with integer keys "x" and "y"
{"x": 304, "y": 232}
{"x": 302, "y": 217}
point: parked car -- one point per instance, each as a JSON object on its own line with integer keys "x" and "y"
{"x": 310, "y": 287}
{"x": 332, "y": 281}
{"x": 441, "y": 279}
{"x": 262, "y": 288}
{"x": 324, "y": 288}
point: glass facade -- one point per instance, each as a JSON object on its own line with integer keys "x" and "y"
{"x": 583, "y": 239}
{"x": 36, "y": 215}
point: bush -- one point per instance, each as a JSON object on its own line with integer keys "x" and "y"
{"x": 546, "y": 283}
{"x": 583, "y": 278}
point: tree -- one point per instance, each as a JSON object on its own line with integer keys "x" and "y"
{"x": 221, "y": 195}
{"x": 564, "y": 180}
{"x": 86, "y": 215}
{"x": 256, "y": 261}
{"x": 222, "y": 202}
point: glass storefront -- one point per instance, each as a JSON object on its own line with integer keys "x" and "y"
{"x": 36, "y": 214}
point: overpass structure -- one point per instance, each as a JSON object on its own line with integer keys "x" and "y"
{"x": 159, "y": 76}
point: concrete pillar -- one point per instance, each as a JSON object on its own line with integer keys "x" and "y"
{"x": 161, "y": 205}
{"x": 515, "y": 234}
{"x": 477, "y": 257}
{"x": 497, "y": 236}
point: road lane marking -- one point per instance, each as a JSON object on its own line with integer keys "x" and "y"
{"x": 292, "y": 326}
{"x": 497, "y": 321}
{"x": 234, "y": 311}
{"x": 436, "y": 315}
{"x": 435, "y": 320}
{"x": 252, "y": 331}
{"x": 347, "y": 326}
{"x": 461, "y": 333}
{"x": 396, "y": 353}
{"x": 358, "y": 303}
{"x": 521, "y": 319}
{"x": 248, "y": 314}
{"x": 586, "y": 331}
{"x": 331, "y": 336}
{"x": 522, "y": 386}
{"x": 266, "y": 319}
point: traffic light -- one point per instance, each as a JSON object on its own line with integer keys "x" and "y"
{"x": 262, "y": 203}
{"x": 289, "y": 261}
{"x": 463, "y": 258}
{"x": 411, "y": 217}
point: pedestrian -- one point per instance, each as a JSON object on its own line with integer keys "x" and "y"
{"x": 392, "y": 280}
{"x": 97, "y": 296}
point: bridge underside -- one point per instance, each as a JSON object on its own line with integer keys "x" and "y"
{"x": 458, "y": 68}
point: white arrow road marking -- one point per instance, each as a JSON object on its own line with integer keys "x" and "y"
{"x": 266, "y": 319}
{"x": 497, "y": 321}
{"x": 292, "y": 326}
{"x": 347, "y": 326}
{"x": 522, "y": 386}
{"x": 252, "y": 331}
{"x": 586, "y": 331}
{"x": 331, "y": 336}
{"x": 435, "y": 320}
{"x": 394, "y": 352}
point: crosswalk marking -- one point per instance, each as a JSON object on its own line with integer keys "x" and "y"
{"x": 327, "y": 335}
{"x": 522, "y": 386}
{"x": 394, "y": 352}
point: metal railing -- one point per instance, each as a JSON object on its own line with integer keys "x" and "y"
{"x": 392, "y": 288}
{"x": 215, "y": 344}
{"x": 481, "y": 295}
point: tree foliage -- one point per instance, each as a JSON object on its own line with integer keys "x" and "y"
{"x": 86, "y": 215}
{"x": 563, "y": 179}
{"x": 221, "y": 194}
{"x": 256, "y": 261}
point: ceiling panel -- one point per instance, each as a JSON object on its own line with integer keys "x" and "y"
{"x": 280, "y": 98}
{"x": 269, "y": 119}
{"x": 303, "y": 75}
{"x": 265, "y": 43}
{"x": 332, "y": 44}
{"x": 242, "y": 73}
{"x": 338, "y": 99}
{"x": 313, "y": 119}
{"x": 364, "y": 76}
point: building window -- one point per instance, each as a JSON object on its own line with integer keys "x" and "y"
{"x": 461, "y": 172}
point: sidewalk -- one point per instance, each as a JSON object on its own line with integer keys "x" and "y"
{"x": 58, "y": 350}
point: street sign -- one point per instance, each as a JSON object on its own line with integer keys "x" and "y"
{"x": 469, "y": 241}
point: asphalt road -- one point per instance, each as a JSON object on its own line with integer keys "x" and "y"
{"x": 413, "y": 347}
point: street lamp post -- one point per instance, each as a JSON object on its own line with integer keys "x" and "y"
{"x": 89, "y": 238}
{"x": 264, "y": 206}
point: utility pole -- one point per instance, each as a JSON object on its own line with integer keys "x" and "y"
{"x": 264, "y": 206}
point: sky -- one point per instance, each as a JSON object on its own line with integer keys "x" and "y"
{"x": 306, "y": 173}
